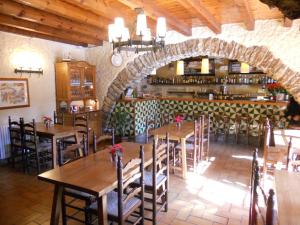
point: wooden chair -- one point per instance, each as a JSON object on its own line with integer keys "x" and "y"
{"x": 71, "y": 198}
{"x": 221, "y": 125}
{"x": 257, "y": 214}
{"x": 108, "y": 138}
{"x": 128, "y": 198}
{"x": 204, "y": 137}
{"x": 294, "y": 154}
{"x": 81, "y": 123}
{"x": 192, "y": 147}
{"x": 16, "y": 136}
{"x": 157, "y": 180}
{"x": 164, "y": 119}
{"x": 272, "y": 153}
{"x": 38, "y": 154}
{"x": 58, "y": 118}
{"x": 150, "y": 125}
{"x": 242, "y": 127}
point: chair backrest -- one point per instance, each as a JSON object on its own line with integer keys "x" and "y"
{"x": 108, "y": 135}
{"x": 197, "y": 138}
{"x": 127, "y": 175}
{"x": 268, "y": 218}
{"x": 160, "y": 156}
{"x": 79, "y": 150}
{"x": 59, "y": 118}
{"x": 16, "y": 132}
{"x": 164, "y": 119}
{"x": 150, "y": 125}
{"x": 204, "y": 135}
{"x": 30, "y": 137}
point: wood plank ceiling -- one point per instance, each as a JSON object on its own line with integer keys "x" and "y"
{"x": 85, "y": 22}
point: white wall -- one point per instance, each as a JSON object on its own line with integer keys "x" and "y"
{"x": 284, "y": 42}
{"x": 41, "y": 87}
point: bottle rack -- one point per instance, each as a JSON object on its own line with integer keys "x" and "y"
{"x": 236, "y": 79}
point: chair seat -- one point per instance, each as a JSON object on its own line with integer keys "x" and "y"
{"x": 148, "y": 179}
{"x": 112, "y": 204}
{"x": 188, "y": 146}
{"x": 41, "y": 146}
{"x": 80, "y": 194}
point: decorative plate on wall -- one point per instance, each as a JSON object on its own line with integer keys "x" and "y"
{"x": 116, "y": 59}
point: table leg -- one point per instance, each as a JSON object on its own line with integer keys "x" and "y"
{"x": 102, "y": 210}
{"x": 54, "y": 152}
{"x": 183, "y": 157}
{"x": 56, "y": 204}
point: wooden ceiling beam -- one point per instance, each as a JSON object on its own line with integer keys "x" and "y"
{"x": 246, "y": 13}
{"x": 287, "y": 22}
{"x": 202, "y": 13}
{"x": 27, "y": 13}
{"x": 38, "y": 35}
{"x": 100, "y": 8}
{"x": 69, "y": 11}
{"x": 42, "y": 29}
{"x": 154, "y": 12}
{"x": 109, "y": 11}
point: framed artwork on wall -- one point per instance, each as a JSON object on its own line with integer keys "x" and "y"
{"x": 14, "y": 93}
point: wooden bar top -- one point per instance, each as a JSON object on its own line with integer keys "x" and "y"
{"x": 206, "y": 100}
{"x": 287, "y": 186}
{"x": 95, "y": 174}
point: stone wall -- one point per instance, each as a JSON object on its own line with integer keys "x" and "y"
{"x": 271, "y": 47}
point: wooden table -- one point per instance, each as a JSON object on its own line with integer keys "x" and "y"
{"x": 287, "y": 186}
{"x": 181, "y": 133}
{"x": 55, "y": 132}
{"x": 94, "y": 174}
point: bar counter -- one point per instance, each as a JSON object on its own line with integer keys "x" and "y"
{"x": 138, "y": 110}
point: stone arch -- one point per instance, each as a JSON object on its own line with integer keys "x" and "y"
{"x": 258, "y": 56}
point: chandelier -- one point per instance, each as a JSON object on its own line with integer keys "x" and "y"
{"x": 141, "y": 39}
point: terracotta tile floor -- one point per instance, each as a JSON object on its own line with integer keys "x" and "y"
{"x": 217, "y": 194}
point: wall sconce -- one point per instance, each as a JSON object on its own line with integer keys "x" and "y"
{"x": 245, "y": 68}
{"x": 27, "y": 62}
{"x": 30, "y": 71}
{"x": 180, "y": 67}
{"x": 205, "y": 66}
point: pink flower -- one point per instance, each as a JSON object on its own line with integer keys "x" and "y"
{"x": 178, "y": 119}
{"x": 117, "y": 149}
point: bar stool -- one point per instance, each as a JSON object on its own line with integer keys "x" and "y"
{"x": 221, "y": 125}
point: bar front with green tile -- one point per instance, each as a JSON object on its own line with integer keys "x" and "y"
{"x": 140, "y": 109}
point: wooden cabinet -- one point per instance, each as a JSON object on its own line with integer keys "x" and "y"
{"x": 75, "y": 81}
{"x": 76, "y": 91}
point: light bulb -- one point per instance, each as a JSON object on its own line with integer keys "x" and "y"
{"x": 125, "y": 34}
{"x": 161, "y": 28}
{"x": 147, "y": 35}
{"x": 119, "y": 26}
{"x": 141, "y": 24}
{"x": 111, "y": 32}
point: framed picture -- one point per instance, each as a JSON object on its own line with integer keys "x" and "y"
{"x": 14, "y": 93}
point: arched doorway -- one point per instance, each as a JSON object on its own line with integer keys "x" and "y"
{"x": 258, "y": 56}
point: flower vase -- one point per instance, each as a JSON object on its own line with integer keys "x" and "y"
{"x": 280, "y": 97}
{"x": 113, "y": 158}
{"x": 178, "y": 124}
{"x": 47, "y": 123}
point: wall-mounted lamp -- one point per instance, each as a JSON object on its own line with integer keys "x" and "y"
{"x": 245, "y": 68}
{"x": 21, "y": 70}
{"x": 205, "y": 66}
{"x": 180, "y": 67}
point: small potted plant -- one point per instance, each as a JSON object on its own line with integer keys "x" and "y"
{"x": 115, "y": 151}
{"x": 47, "y": 121}
{"x": 178, "y": 120}
{"x": 277, "y": 91}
